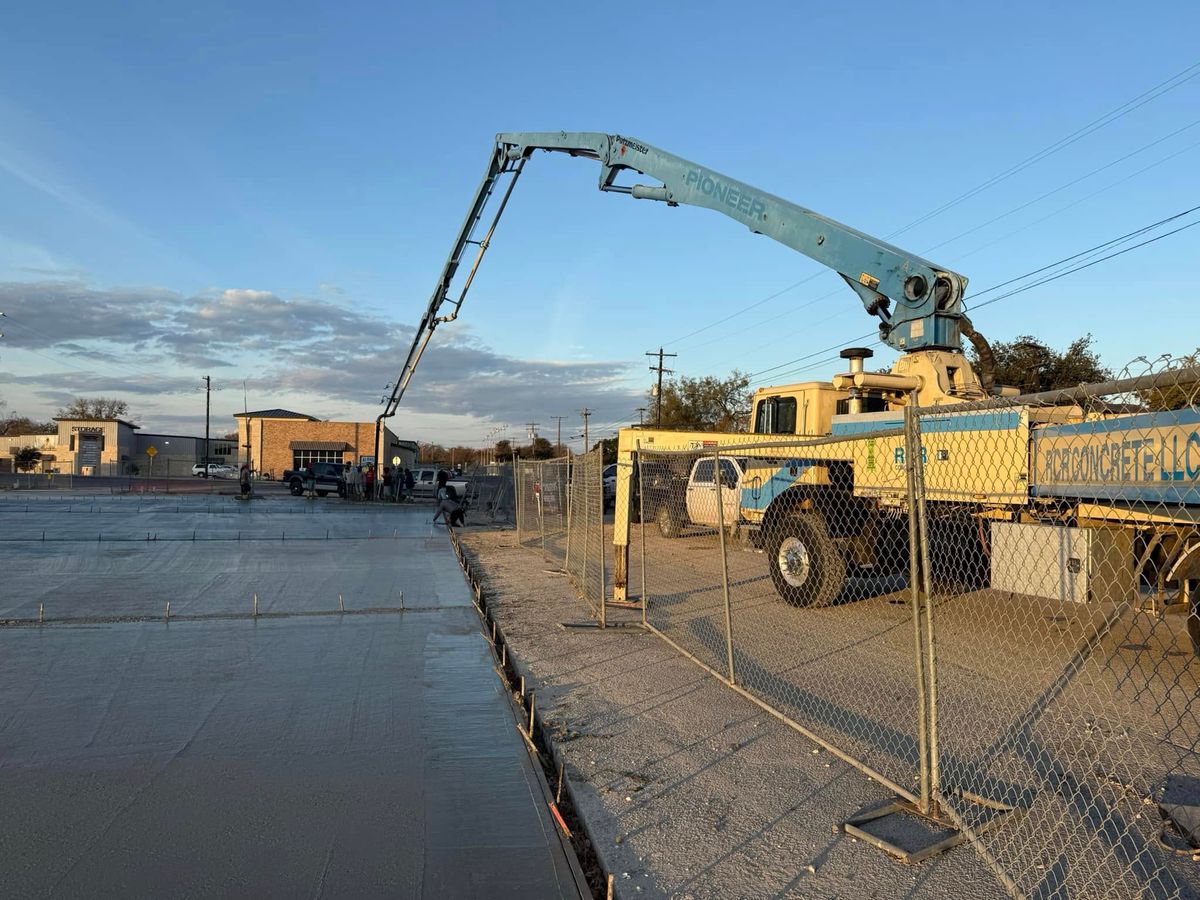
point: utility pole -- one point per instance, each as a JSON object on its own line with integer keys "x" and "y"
{"x": 531, "y": 429}
{"x": 558, "y": 441}
{"x": 585, "y": 412}
{"x": 207, "y": 414}
{"x": 641, "y": 410}
{"x": 661, "y": 371}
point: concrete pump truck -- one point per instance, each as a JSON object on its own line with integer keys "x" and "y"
{"x": 819, "y": 507}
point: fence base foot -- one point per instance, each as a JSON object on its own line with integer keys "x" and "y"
{"x": 926, "y": 834}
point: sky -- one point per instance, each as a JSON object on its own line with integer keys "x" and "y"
{"x": 266, "y": 194}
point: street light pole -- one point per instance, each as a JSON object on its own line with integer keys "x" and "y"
{"x": 207, "y": 414}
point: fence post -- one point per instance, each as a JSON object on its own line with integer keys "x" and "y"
{"x": 598, "y": 486}
{"x": 724, "y": 567}
{"x": 927, "y": 588}
{"x": 541, "y": 504}
{"x": 568, "y": 481}
{"x": 637, "y": 473}
{"x": 518, "y": 497}
{"x": 915, "y": 497}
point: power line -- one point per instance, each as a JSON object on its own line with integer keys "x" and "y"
{"x": 1081, "y": 255}
{"x": 1163, "y": 87}
{"x": 1075, "y": 136}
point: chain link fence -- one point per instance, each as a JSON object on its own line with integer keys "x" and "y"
{"x": 560, "y": 505}
{"x": 1063, "y": 634}
{"x": 988, "y": 608}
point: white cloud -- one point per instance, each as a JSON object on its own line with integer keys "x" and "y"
{"x": 316, "y": 355}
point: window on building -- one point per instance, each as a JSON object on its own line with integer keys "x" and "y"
{"x": 301, "y": 458}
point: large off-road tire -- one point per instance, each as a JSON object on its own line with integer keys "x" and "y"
{"x": 296, "y": 486}
{"x": 669, "y": 524}
{"x": 806, "y": 566}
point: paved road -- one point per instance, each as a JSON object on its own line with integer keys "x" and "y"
{"x": 365, "y": 754}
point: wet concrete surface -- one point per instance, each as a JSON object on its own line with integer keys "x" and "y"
{"x": 359, "y": 755}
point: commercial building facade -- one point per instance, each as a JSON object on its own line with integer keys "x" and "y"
{"x": 276, "y": 439}
{"x": 271, "y": 440}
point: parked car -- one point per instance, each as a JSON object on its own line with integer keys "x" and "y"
{"x": 610, "y": 486}
{"x": 215, "y": 470}
{"x": 327, "y": 477}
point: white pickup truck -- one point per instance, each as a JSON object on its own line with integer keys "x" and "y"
{"x": 425, "y": 483}
{"x": 678, "y": 506}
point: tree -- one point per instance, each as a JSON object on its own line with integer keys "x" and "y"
{"x": 608, "y": 447}
{"x": 1174, "y": 396}
{"x": 14, "y": 425}
{"x": 95, "y": 408}
{"x": 706, "y": 404}
{"x": 504, "y": 450}
{"x": 26, "y": 459}
{"x": 539, "y": 449}
{"x": 1030, "y": 365}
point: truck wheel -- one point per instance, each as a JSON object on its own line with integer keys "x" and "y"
{"x": 669, "y": 525}
{"x": 805, "y": 563}
{"x": 297, "y": 487}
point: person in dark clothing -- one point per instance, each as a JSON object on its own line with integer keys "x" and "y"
{"x": 244, "y": 481}
{"x": 410, "y": 482}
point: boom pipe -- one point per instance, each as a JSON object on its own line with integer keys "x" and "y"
{"x": 498, "y": 165}
{"x": 918, "y": 303}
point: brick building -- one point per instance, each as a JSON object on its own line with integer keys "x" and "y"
{"x": 278, "y": 439}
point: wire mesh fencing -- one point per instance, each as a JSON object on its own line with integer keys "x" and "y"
{"x": 1063, "y": 544}
{"x": 560, "y": 505}
{"x": 988, "y": 608}
{"x": 799, "y": 600}
{"x": 585, "y": 532}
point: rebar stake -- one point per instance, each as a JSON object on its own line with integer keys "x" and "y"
{"x": 256, "y": 606}
{"x": 531, "y": 698}
{"x": 41, "y": 612}
{"x": 168, "y": 610}
{"x": 558, "y": 792}
{"x": 341, "y": 604}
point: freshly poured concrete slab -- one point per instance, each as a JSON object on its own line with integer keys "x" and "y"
{"x": 358, "y": 755}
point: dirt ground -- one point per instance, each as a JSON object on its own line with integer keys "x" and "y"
{"x": 688, "y": 789}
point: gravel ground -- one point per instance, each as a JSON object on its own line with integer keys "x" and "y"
{"x": 688, "y": 789}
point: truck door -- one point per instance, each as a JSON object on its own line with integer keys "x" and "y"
{"x": 702, "y": 493}
{"x": 731, "y": 479}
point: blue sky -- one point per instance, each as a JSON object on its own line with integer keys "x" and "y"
{"x": 268, "y": 194}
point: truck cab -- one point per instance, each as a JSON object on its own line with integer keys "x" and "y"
{"x": 805, "y": 409}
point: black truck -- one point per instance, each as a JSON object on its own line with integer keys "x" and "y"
{"x": 327, "y": 477}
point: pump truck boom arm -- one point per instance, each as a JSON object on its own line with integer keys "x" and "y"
{"x": 918, "y": 303}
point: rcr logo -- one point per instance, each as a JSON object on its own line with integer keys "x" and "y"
{"x": 730, "y": 195}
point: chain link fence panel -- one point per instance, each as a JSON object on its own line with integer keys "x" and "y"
{"x": 1063, "y": 547}
{"x": 527, "y": 483}
{"x": 802, "y": 600}
{"x": 560, "y": 510}
{"x": 585, "y": 562}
